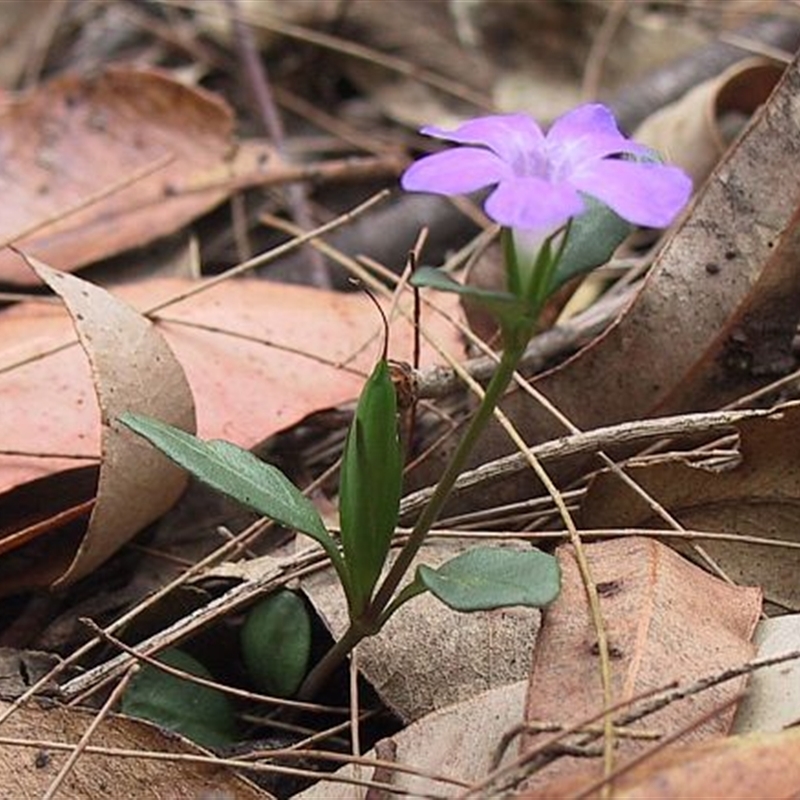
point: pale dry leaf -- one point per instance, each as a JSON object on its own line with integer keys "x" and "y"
{"x": 127, "y": 357}
{"x": 772, "y": 702}
{"x": 757, "y": 497}
{"x": 666, "y": 620}
{"x": 457, "y": 741}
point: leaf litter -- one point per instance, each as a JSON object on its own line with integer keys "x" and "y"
{"x": 707, "y": 348}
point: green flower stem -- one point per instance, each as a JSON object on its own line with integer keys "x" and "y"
{"x": 370, "y": 621}
{"x": 494, "y": 391}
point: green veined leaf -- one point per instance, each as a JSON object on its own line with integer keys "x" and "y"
{"x": 370, "y": 485}
{"x": 276, "y": 643}
{"x": 490, "y": 577}
{"x": 239, "y": 474}
{"x": 200, "y": 713}
{"x": 504, "y": 306}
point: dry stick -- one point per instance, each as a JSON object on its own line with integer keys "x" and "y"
{"x": 601, "y": 45}
{"x": 259, "y": 84}
{"x": 84, "y": 740}
{"x": 234, "y": 598}
{"x": 626, "y": 433}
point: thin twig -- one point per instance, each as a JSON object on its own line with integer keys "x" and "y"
{"x": 256, "y": 72}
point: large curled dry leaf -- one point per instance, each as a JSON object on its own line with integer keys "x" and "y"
{"x": 665, "y": 619}
{"x": 127, "y": 358}
{"x": 68, "y": 142}
{"x": 695, "y": 131}
{"x": 758, "y": 497}
{"x": 716, "y": 316}
{"x": 28, "y": 771}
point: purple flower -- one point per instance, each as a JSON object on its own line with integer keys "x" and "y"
{"x": 540, "y": 178}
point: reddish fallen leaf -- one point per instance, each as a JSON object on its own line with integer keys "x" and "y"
{"x": 734, "y": 768}
{"x": 278, "y": 363}
{"x": 757, "y": 497}
{"x": 666, "y": 620}
{"x": 71, "y": 139}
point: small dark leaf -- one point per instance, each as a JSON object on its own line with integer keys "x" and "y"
{"x": 276, "y": 643}
{"x": 490, "y": 577}
{"x": 593, "y": 238}
{"x": 200, "y": 713}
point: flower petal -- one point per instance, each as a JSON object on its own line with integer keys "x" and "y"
{"x": 457, "y": 171}
{"x": 586, "y": 133}
{"x": 508, "y": 135}
{"x": 533, "y": 204}
{"x": 643, "y": 193}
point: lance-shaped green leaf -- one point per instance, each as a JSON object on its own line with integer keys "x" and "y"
{"x": 491, "y": 577}
{"x": 370, "y": 485}
{"x": 239, "y": 474}
{"x": 508, "y": 309}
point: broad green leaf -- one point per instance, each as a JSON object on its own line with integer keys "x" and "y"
{"x": 200, "y": 713}
{"x": 490, "y": 577}
{"x": 239, "y": 474}
{"x": 276, "y": 643}
{"x": 593, "y": 238}
{"x": 370, "y": 485}
{"x": 504, "y": 306}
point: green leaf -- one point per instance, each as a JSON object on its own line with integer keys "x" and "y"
{"x": 507, "y": 308}
{"x": 592, "y": 240}
{"x": 200, "y": 713}
{"x": 239, "y": 474}
{"x": 370, "y": 485}
{"x": 490, "y": 577}
{"x": 276, "y": 643}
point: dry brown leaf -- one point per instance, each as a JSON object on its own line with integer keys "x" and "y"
{"x": 279, "y": 365}
{"x": 135, "y": 484}
{"x": 68, "y": 141}
{"x": 666, "y": 620}
{"x": 758, "y": 497}
{"x": 428, "y": 656}
{"x": 735, "y": 768}
{"x": 28, "y": 771}
{"x": 718, "y": 313}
